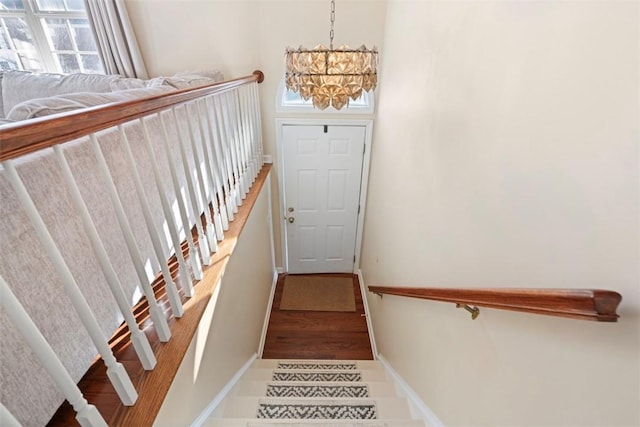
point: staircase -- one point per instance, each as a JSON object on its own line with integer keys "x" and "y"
{"x": 314, "y": 393}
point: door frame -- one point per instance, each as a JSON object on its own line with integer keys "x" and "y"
{"x": 364, "y": 181}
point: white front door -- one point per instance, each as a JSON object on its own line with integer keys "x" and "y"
{"x": 322, "y": 176}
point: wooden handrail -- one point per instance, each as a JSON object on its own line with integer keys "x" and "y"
{"x": 587, "y": 304}
{"x": 20, "y": 138}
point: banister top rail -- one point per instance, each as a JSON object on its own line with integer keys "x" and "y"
{"x": 587, "y": 304}
{"x": 26, "y": 137}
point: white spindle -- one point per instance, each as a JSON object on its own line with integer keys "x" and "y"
{"x": 236, "y": 142}
{"x": 214, "y": 229}
{"x": 161, "y": 255}
{"x": 227, "y": 176}
{"x": 217, "y": 167}
{"x": 115, "y": 371}
{"x": 138, "y": 338}
{"x": 246, "y": 124}
{"x": 258, "y": 122}
{"x": 201, "y": 197}
{"x": 207, "y": 170}
{"x": 243, "y": 161}
{"x": 157, "y": 316}
{"x": 206, "y": 257}
{"x": 7, "y": 419}
{"x": 87, "y": 415}
{"x": 225, "y": 139}
{"x": 196, "y": 266}
{"x": 227, "y": 115}
{"x": 256, "y": 132}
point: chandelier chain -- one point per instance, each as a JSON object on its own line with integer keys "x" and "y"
{"x": 333, "y": 18}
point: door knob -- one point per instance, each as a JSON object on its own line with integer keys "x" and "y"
{"x": 291, "y": 220}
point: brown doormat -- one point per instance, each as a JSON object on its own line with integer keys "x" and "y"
{"x": 318, "y": 293}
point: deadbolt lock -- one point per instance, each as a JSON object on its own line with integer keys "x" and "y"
{"x": 290, "y": 209}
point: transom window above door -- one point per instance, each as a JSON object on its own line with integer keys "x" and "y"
{"x": 292, "y": 102}
{"x": 47, "y": 35}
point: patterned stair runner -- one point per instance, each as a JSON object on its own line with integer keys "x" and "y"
{"x": 326, "y": 366}
{"x": 288, "y": 390}
{"x": 328, "y": 376}
{"x": 317, "y": 410}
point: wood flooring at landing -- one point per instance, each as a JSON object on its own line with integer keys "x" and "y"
{"x": 317, "y": 334}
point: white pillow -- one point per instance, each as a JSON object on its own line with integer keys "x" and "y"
{"x": 195, "y": 78}
{"x": 62, "y": 103}
{"x": 20, "y": 86}
{"x": 213, "y": 74}
{"x": 124, "y": 83}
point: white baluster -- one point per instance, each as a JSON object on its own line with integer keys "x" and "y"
{"x": 227, "y": 115}
{"x": 243, "y": 162}
{"x": 204, "y": 199}
{"x": 138, "y": 338}
{"x": 227, "y": 178}
{"x": 248, "y": 132}
{"x": 87, "y": 415}
{"x": 115, "y": 371}
{"x": 258, "y": 119}
{"x": 166, "y": 207}
{"x": 208, "y": 169}
{"x": 225, "y": 141}
{"x": 161, "y": 256}
{"x": 256, "y": 132}
{"x": 157, "y": 316}
{"x": 215, "y": 230}
{"x": 217, "y": 166}
{"x": 194, "y": 205}
{"x": 7, "y": 419}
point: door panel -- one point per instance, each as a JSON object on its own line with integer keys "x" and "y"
{"x": 322, "y": 176}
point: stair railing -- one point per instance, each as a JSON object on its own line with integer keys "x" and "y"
{"x": 217, "y": 131}
{"x": 586, "y": 304}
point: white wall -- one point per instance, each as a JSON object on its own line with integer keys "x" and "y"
{"x": 505, "y": 153}
{"x": 239, "y": 36}
{"x": 230, "y": 331}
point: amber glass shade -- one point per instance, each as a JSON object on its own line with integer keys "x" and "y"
{"x": 331, "y": 76}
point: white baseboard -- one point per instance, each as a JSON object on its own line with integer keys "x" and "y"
{"x": 424, "y": 412}
{"x": 267, "y": 316}
{"x": 280, "y": 270}
{"x": 267, "y": 158}
{"x": 365, "y": 301}
{"x": 223, "y": 393}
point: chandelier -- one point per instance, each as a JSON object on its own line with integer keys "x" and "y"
{"x": 331, "y": 76}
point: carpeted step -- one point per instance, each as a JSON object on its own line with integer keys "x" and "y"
{"x": 314, "y": 389}
{"x": 227, "y": 422}
{"x": 315, "y": 375}
{"x": 312, "y": 408}
{"x": 334, "y": 365}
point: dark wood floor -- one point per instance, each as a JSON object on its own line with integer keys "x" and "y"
{"x": 317, "y": 334}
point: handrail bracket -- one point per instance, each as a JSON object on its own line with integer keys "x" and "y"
{"x": 475, "y": 311}
{"x": 380, "y": 294}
